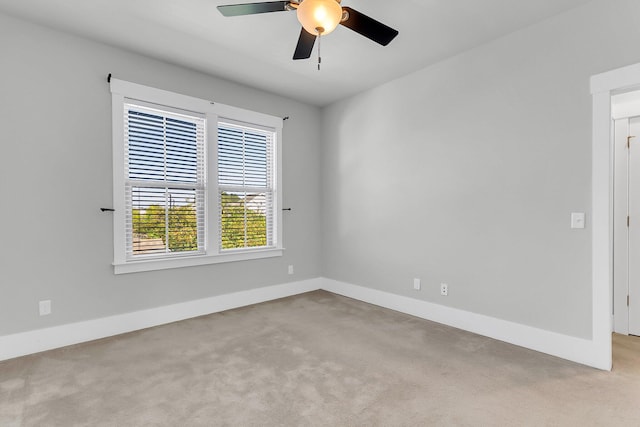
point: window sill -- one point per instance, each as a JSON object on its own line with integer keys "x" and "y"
{"x": 164, "y": 264}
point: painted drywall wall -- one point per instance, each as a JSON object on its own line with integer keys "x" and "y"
{"x": 467, "y": 172}
{"x": 55, "y": 175}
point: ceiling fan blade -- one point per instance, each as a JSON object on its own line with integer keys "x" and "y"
{"x": 368, "y": 27}
{"x": 253, "y": 8}
{"x": 305, "y": 45}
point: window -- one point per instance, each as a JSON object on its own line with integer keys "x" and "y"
{"x": 164, "y": 183}
{"x": 245, "y": 186}
{"x": 194, "y": 182}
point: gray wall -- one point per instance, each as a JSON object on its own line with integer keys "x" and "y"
{"x": 466, "y": 172}
{"x": 55, "y": 174}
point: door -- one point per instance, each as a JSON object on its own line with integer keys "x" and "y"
{"x": 633, "y": 229}
{"x": 626, "y": 226}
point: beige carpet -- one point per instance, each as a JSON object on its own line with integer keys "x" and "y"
{"x": 314, "y": 359}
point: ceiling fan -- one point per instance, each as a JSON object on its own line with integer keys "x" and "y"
{"x": 318, "y": 18}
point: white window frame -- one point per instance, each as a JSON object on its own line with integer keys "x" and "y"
{"x": 126, "y": 92}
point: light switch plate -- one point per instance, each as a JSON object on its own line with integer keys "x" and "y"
{"x": 577, "y": 220}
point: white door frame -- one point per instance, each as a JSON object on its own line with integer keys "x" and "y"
{"x": 602, "y": 87}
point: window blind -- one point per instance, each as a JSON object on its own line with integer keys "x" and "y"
{"x": 245, "y": 186}
{"x": 165, "y": 182}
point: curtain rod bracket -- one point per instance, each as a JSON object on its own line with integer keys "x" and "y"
{"x": 285, "y": 118}
{"x": 107, "y": 210}
{"x": 109, "y": 78}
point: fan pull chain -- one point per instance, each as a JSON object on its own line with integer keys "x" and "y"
{"x": 319, "y": 44}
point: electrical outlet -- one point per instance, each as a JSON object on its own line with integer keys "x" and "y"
{"x": 290, "y": 270}
{"x": 44, "y": 307}
{"x": 444, "y": 289}
{"x": 416, "y": 284}
{"x": 577, "y": 219}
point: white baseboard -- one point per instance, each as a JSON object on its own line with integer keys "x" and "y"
{"x": 567, "y": 347}
{"x": 564, "y": 346}
{"x": 35, "y": 341}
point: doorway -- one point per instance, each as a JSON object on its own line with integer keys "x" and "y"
{"x": 625, "y": 111}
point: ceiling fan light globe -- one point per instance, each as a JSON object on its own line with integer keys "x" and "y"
{"x": 319, "y": 14}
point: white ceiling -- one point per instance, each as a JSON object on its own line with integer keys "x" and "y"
{"x": 256, "y": 50}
